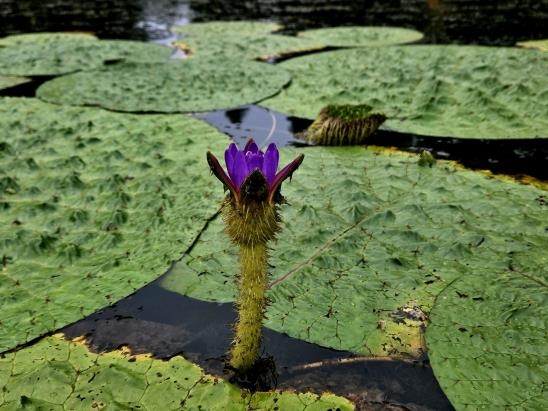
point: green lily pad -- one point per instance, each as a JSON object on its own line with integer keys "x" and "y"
{"x": 362, "y": 36}
{"x": 249, "y": 40}
{"x": 487, "y": 339}
{"x": 248, "y": 28}
{"x": 11, "y": 81}
{"x": 368, "y": 242}
{"x": 535, "y": 44}
{"x": 55, "y": 374}
{"x": 176, "y": 86}
{"x": 44, "y": 38}
{"x": 457, "y": 91}
{"x": 94, "y": 205}
{"x": 66, "y": 56}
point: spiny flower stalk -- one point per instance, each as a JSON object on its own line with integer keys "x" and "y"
{"x": 251, "y": 216}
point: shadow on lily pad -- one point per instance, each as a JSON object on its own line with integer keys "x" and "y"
{"x": 166, "y": 324}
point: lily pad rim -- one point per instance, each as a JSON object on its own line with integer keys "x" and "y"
{"x": 79, "y": 35}
{"x": 179, "y": 28}
{"x": 18, "y": 81}
{"x": 171, "y": 62}
{"x": 419, "y": 34}
{"x": 296, "y": 64}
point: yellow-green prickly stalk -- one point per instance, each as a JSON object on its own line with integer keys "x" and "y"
{"x": 251, "y": 217}
{"x": 251, "y": 305}
{"x": 250, "y": 223}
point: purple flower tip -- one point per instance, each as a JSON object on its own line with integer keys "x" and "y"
{"x": 241, "y": 163}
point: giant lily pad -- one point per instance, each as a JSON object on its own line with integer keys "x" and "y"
{"x": 248, "y": 28}
{"x": 94, "y": 205}
{"x": 66, "y": 56}
{"x": 55, "y": 374}
{"x": 369, "y": 241}
{"x": 535, "y": 44}
{"x": 250, "y": 40}
{"x": 44, "y": 38}
{"x": 487, "y": 338}
{"x": 362, "y": 36}
{"x": 10, "y": 81}
{"x": 193, "y": 85}
{"x": 458, "y": 91}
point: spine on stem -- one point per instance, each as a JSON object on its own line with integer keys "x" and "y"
{"x": 251, "y": 226}
{"x": 251, "y": 305}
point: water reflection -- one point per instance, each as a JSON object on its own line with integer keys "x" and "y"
{"x": 263, "y": 125}
{"x": 463, "y": 21}
{"x": 158, "y": 16}
{"x": 123, "y": 19}
{"x": 106, "y": 18}
{"x": 164, "y": 323}
{"x": 509, "y": 156}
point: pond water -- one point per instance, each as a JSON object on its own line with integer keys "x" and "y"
{"x": 464, "y": 21}
{"x": 516, "y": 157}
{"x": 180, "y": 320}
{"x": 200, "y": 331}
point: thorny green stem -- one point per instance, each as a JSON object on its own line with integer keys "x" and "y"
{"x": 251, "y": 306}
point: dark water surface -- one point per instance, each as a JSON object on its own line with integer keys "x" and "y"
{"x": 516, "y": 157}
{"x": 501, "y": 22}
{"x": 201, "y": 332}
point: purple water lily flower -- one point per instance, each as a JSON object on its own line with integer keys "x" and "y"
{"x": 253, "y": 172}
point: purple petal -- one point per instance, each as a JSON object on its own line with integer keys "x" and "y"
{"x": 254, "y": 160}
{"x": 239, "y": 169}
{"x": 251, "y": 146}
{"x": 218, "y": 171}
{"x": 230, "y": 153}
{"x": 283, "y": 174}
{"x": 270, "y": 163}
